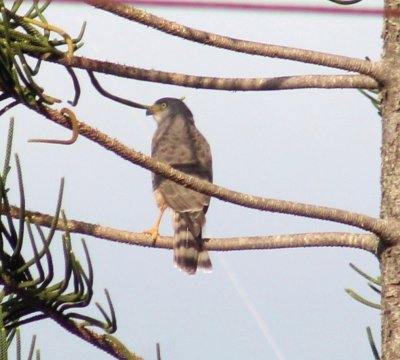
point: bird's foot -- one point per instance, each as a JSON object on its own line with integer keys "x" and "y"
{"x": 153, "y": 232}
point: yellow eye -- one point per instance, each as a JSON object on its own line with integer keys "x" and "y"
{"x": 164, "y": 105}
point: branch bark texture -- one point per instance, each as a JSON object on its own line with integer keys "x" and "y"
{"x": 367, "y": 242}
{"x": 238, "y": 45}
{"x": 354, "y": 81}
{"x": 390, "y": 183}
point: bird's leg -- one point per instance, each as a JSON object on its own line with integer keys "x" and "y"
{"x": 154, "y": 230}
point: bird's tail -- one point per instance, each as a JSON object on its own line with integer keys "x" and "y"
{"x": 188, "y": 252}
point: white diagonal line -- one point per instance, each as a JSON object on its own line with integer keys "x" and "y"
{"x": 251, "y": 308}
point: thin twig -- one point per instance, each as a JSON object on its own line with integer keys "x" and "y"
{"x": 56, "y": 29}
{"x": 158, "y": 349}
{"x": 362, "y": 300}
{"x": 74, "y": 126}
{"x": 105, "y": 93}
{"x": 9, "y": 106}
{"x": 76, "y": 84}
{"x": 371, "y": 341}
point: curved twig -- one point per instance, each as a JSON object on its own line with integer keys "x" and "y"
{"x": 105, "y": 93}
{"x": 76, "y": 84}
{"x": 9, "y": 106}
{"x": 376, "y": 281}
{"x": 362, "y": 300}
{"x": 371, "y": 341}
{"x": 74, "y": 126}
{"x": 57, "y": 30}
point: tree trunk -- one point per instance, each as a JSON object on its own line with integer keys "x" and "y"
{"x": 390, "y": 182}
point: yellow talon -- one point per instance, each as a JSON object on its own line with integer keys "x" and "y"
{"x": 153, "y": 232}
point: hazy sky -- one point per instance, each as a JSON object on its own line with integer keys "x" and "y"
{"x": 312, "y": 146}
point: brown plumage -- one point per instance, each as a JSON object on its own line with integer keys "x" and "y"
{"x": 178, "y": 143}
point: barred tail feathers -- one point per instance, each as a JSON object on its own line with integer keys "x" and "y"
{"x": 204, "y": 262}
{"x": 188, "y": 253}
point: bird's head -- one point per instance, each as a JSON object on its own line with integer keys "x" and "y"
{"x": 167, "y": 108}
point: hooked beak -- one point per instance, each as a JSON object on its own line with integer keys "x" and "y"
{"x": 153, "y": 109}
{"x": 149, "y": 111}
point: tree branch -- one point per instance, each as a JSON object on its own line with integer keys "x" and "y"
{"x": 103, "y": 342}
{"x": 248, "y": 47}
{"x": 384, "y": 228}
{"x": 217, "y": 83}
{"x": 366, "y": 242}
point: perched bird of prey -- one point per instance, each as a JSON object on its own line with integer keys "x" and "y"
{"x": 178, "y": 143}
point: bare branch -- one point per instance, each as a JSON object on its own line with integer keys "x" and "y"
{"x": 366, "y": 242}
{"x": 248, "y": 47}
{"x": 217, "y": 83}
{"x": 105, "y": 342}
{"x": 384, "y": 228}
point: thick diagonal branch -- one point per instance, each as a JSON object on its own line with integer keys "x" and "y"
{"x": 383, "y": 228}
{"x": 238, "y": 45}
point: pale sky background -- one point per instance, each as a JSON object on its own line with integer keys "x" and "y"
{"x": 313, "y": 146}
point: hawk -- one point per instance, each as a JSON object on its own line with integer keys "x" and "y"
{"x": 178, "y": 143}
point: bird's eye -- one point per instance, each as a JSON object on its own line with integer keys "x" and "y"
{"x": 164, "y": 105}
